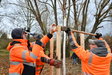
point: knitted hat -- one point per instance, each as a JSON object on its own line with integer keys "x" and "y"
{"x": 17, "y": 33}
{"x": 99, "y": 43}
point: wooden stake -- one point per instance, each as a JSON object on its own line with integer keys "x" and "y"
{"x": 51, "y": 54}
{"x": 82, "y": 40}
{"x": 58, "y": 48}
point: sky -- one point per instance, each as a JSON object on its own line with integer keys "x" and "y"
{"x": 106, "y": 29}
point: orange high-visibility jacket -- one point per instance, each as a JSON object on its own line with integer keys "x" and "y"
{"x": 93, "y": 64}
{"x": 19, "y": 55}
{"x": 39, "y": 64}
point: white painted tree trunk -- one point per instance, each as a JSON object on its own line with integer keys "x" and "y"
{"x": 64, "y": 50}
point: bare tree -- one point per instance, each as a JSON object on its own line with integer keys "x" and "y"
{"x": 101, "y": 14}
{"x": 36, "y": 12}
{"x": 81, "y": 10}
{"x": 53, "y": 6}
{"x": 20, "y": 16}
{"x": 68, "y": 15}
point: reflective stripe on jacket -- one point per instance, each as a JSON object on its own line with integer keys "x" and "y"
{"x": 19, "y": 55}
{"x": 93, "y": 64}
{"x": 39, "y": 67}
{"x": 39, "y": 64}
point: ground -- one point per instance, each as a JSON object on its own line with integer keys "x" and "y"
{"x": 4, "y": 65}
{"x": 70, "y": 70}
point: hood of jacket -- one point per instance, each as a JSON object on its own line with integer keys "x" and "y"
{"x": 23, "y": 42}
{"x": 100, "y": 51}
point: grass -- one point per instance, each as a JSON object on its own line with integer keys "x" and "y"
{"x": 4, "y": 52}
{"x": 4, "y": 62}
{"x": 70, "y": 69}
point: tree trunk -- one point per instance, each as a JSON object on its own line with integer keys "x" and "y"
{"x": 55, "y": 11}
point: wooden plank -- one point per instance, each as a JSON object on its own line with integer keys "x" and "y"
{"x": 58, "y": 48}
{"x": 63, "y": 28}
{"x": 84, "y": 32}
{"x": 51, "y": 54}
{"x": 82, "y": 40}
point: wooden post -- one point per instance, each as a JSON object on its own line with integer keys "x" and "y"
{"x": 58, "y": 48}
{"x": 82, "y": 40}
{"x": 51, "y": 54}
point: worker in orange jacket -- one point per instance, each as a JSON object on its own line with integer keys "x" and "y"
{"x": 23, "y": 60}
{"x": 97, "y": 60}
{"x": 44, "y": 40}
{"x": 40, "y": 64}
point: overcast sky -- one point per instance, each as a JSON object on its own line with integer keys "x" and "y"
{"x": 9, "y": 9}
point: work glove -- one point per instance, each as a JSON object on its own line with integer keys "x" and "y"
{"x": 98, "y": 35}
{"x": 68, "y": 31}
{"x": 53, "y": 28}
{"x": 56, "y": 63}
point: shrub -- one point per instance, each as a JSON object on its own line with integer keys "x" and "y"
{"x": 4, "y": 43}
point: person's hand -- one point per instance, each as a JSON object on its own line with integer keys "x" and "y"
{"x": 53, "y": 28}
{"x": 68, "y": 30}
{"x": 56, "y": 63}
{"x": 98, "y": 35}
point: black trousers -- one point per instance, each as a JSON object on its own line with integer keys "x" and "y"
{"x": 28, "y": 70}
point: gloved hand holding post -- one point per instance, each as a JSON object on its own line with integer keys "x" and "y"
{"x": 53, "y": 28}
{"x": 68, "y": 31}
{"x": 56, "y": 63}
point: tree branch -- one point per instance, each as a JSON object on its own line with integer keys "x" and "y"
{"x": 46, "y": 3}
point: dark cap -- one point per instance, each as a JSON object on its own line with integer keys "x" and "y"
{"x": 17, "y": 33}
{"x": 99, "y": 43}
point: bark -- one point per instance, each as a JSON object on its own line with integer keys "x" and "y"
{"x": 36, "y": 13}
{"x": 84, "y": 15}
{"x": 100, "y": 16}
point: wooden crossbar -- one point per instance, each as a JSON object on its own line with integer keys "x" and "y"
{"x": 82, "y": 32}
